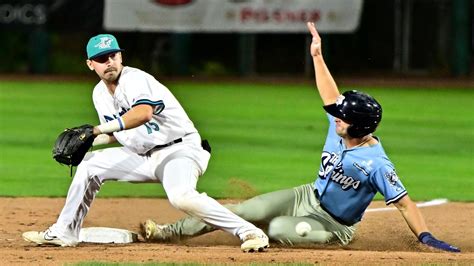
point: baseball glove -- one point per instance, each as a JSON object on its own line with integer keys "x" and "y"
{"x": 72, "y": 144}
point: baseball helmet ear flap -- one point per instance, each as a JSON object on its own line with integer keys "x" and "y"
{"x": 360, "y": 110}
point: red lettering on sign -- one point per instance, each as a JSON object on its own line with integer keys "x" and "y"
{"x": 262, "y": 15}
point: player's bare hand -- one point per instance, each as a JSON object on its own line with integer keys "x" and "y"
{"x": 315, "y": 48}
{"x": 96, "y": 131}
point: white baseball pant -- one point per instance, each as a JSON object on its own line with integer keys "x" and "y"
{"x": 177, "y": 167}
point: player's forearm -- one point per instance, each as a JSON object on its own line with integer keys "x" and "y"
{"x": 325, "y": 83}
{"x": 135, "y": 117}
{"x": 412, "y": 216}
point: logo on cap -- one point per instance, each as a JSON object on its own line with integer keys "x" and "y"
{"x": 102, "y": 44}
{"x": 105, "y": 42}
{"x": 340, "y": 99}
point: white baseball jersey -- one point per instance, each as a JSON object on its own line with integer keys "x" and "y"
{"x": 135, "y": 87}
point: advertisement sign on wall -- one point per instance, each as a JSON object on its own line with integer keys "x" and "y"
{"x": 23, "y": 13}
{"x": 231, "y": 15}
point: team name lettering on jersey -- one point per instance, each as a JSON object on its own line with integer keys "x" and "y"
{"x": 110, "y": 118}
{"x": 150, "y": 126}
{"x": 327, "y": 166}
{"x": 345, "y": 181}
{"x": 327, "y": 163}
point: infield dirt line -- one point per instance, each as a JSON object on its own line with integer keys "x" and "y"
{"x": 421, "y": 204}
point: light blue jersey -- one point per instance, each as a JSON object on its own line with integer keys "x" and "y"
{"x": 348, "y": 179}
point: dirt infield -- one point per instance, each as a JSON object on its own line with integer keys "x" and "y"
{"x": 382, "y": 238}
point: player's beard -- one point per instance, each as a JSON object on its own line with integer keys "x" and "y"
{"x": 111, "y": 74}
{"x": 342, "y": 131}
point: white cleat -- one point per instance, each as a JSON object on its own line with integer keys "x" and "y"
{"x": 153, "y": 232}
{"x": 45, "y": 238}
{"x": 254, "y": 243}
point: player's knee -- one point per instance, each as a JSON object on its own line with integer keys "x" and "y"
{"x": 91, "y": 169}
{"x": 82, "y": 172}
{"x": 277, "y": 229}
{"x": 92, "y": 165}
{"x": 184, "y": 201}
{"x": 88, "y": 165}
{"x": 249, "y": 214}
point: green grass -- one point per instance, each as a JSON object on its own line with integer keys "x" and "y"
{"x": 264, "y": 137}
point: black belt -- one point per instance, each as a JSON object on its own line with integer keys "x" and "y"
{"x": 330, "y": 214}
{"x": 158, "y": 147}
{"x": 168, "y": 144}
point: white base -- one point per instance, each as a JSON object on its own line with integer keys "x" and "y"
{"x": 107, "y": 235}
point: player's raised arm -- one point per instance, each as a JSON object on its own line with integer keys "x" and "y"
{"x": 324, "y": 81}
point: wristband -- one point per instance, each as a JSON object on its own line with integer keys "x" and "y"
{"x": 112, "y": 126}
{"x": 424, "y": 237}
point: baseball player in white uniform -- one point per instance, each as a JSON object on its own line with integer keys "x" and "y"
{"x": 159, "y": 144}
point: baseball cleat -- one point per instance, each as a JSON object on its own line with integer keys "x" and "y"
{"x": 45, "y": 238}
{"x": 254, "y": 243}
{"x": 153, "y": 232}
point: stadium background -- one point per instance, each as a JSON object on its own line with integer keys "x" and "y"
{"x": 395, "y": 37}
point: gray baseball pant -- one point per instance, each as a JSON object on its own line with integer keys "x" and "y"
{"x": 279, "y": 212}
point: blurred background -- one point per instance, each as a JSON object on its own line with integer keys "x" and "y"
{"x": 243, "y": 38}
{"x": 242, "y": 70}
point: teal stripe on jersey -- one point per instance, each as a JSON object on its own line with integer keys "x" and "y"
{"x": 159, "y": 106}
{"x": 149, "y": 102}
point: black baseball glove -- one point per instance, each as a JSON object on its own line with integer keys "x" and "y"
{"x": 72, "y": 144}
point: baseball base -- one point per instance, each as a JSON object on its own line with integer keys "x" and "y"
{"x": 107, "y": 235}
